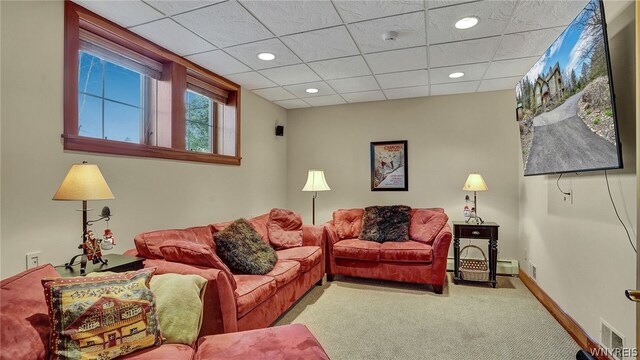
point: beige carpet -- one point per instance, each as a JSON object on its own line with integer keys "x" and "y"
{"x": 367, "y": 319}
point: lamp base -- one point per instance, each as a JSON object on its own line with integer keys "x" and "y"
{"x": 83, "y": 262}
{"x": 478, "y": 220}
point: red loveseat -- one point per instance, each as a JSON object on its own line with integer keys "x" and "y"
{"x": 24, "y": 331}
{"x": 423, "y": 259}
{"x": 236, "y": 302}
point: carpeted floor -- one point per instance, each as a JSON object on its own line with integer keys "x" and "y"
{"x": 368, "y": 319}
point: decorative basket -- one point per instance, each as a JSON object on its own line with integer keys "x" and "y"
{"x": 473, "y": 269}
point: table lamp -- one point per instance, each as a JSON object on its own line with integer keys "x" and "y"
{"x": 84, "y": 182}
{"x": 475, "y": 183}
{"x": 315, "y": 182}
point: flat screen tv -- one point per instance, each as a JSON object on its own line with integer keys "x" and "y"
{"x": 565, "y": 102}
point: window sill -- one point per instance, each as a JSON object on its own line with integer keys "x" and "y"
{"x": 81, "y": 143}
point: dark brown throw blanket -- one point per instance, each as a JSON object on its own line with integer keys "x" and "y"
{"x": 386, "y": 223}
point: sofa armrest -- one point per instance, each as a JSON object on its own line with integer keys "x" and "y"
{"x": 440, "y": 254}
{"x": 219, "y": 305}
{"x": 331, "y": 233}
{"x": 312, "y": 235}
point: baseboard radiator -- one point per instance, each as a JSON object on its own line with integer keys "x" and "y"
{"x": 504, "y": 267}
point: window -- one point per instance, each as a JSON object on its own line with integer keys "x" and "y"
{"x": 125, "y": 95}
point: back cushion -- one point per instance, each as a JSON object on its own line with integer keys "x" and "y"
{"x": 348, "y": 222}
{"x": 285, "y": 229}
{"x": 148, "y": 244}
{"x": 191, "y": 253}
{"x": 426, "y": 224}
{"x": 24, "y": 319}
{"x": 259, "y": 223}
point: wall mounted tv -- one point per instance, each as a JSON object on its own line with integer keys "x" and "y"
{"x": 565, "y": 103}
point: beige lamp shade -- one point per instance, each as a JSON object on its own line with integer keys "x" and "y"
{"x": 475, "y": 182}
{"x": 83, "y": 182}
{"x": 316, "y": 181}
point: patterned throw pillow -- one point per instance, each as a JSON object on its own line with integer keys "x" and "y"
{"x": 242, "y": 249}
{"x": 386, "y": 223}
{"x": 101, "y": 317}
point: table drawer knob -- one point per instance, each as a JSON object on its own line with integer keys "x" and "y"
{"x": 475, "y": 232}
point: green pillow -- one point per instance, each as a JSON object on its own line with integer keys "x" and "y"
{"x": 242, "y": 249}
{"x": 179, "y": 306}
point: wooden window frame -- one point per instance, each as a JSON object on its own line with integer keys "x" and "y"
{"x": 171, "y": 124}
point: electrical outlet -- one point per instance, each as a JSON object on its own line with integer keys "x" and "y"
{"x": 526, "y": 254}
{"x": 33, "y": 259}
{"x": 533, "y": 270}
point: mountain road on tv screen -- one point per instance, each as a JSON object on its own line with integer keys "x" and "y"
{"x": 562, "y": 142}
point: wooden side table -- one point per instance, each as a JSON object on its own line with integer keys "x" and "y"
{"x": 116, "y": 263}
{"x": 488, "y": 231}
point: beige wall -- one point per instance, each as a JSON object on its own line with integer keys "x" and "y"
{"x": 582, "y": 254}
{"x": 149, "y": 194}
{"x": 448, "y": 137}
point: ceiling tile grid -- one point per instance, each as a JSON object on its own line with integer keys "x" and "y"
{"x": 338, "y": 47}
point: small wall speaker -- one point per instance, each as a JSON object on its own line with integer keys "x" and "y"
{"x": 279, "y": 130}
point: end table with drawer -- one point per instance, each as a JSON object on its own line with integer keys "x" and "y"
{"x": 115, "y": 263}
{"x": 486, "y": 231}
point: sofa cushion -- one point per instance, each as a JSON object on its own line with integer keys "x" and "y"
{"x": 101, "y": 317}
{"x": 426, "y": 224}
{"x": 252, "y": 291}
{"x": 307, "y": 256}
{"x": 406, "y": 251}
{"x": 284, "y": 272}
{"x": 241, "y": 248}
{"x": 285, "y": 229}
{"x": 293, "y": 341}
{"x": 259, "y": 223}
{"x": 148, "y": 244}
{"x": 24, "y": 323}
{"x": 191, "y": 253}
{"x": 165, "y": 351}
{"x": 357, "y": 249}
{"x": 386, "y": 223}
{"x": 348, "y": 222}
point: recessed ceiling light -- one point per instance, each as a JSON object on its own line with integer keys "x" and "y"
{"x": 311, "y": 90}
{"x": 266, "y": 56}
{"x": 456, "y": 75}
{"x": 466, "y": 23}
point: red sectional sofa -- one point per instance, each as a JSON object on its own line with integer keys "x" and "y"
{"x": 24, "y": 331}
{"x": 423, "y": 259}
{"x": 236, "y": 302}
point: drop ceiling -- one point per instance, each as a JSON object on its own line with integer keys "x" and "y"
{"x": 338, "y": 48}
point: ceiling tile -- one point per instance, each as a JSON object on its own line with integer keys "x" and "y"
{"x": 499, "y": 84}
{"x": 124, "y": 13}
{"x": 251, "y": 80}
{"x": 299, "y": 90}
{"x": 357, "y": 84}
{"x": 292, "y": 74}
{"x": 275, "y": 93}
{"x": 397, "y": 60}
{"x": 370, "y": 9}
{"x": 530, "y": 43}
{"x": 432, "y": 4}
{"x": 410, "y": 29}
{"x": 471, "y": 72}
{"x": 219, "y": 62}
{"x": 454, "y": 88}
{"x": 364, "y": 96}
{"x": 213, "y": 23}
{"x": 403, "y": 79}
{"x": 513, "y": 67}
{"x": 176, "y": 7}
{"x": 494, "y": 17}
{"x": 325, "y": 100}
{"x": 292, "y": 104}
{"x": 532, "y": 15}
{"x": 322, "y": 44}
{"x": 408, "y": 92}
{"x": 288, "y": 17}
{"x": 248, "y": 54}
{"x": 171, "y": 35}
{"x": 341, "y": 68}
{"x": 462, "y": 52}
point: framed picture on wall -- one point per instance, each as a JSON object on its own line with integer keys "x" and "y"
{"x": 389, "y": 169}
